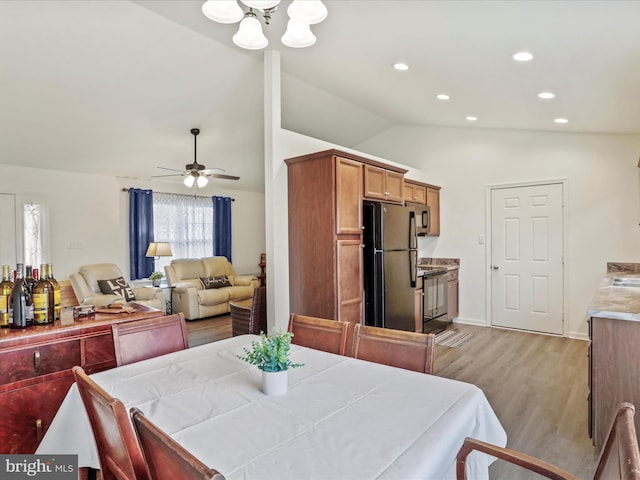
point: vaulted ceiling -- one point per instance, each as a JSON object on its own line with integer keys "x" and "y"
{"x": 113, "y": 87}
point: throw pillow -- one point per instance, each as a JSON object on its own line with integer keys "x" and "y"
{"x": 117, "y": 286}
{"x": 215, "y": 282}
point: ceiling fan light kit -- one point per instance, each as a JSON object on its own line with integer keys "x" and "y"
{"x": 302, "y": 14}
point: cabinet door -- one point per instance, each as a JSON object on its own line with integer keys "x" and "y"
{"x": 374, "y": 182}
{"x": 349, "y": 269}
{"x": 433, "y": 201}
{"x": 348, "y": 196}
{"x": 27, "y": 412}
{"x": 415, "y": 193}
{"x": 452, "y": 299}
{"x": 418, "y": 308}
{"x": 394, "y": 183}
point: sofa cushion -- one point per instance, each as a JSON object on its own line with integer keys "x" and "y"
{"x": 188, "y": 269}
{"x": 98, "y": 271}
{"x": 117, "y": 286}
{"x": 215, "y": 282}
{"x": 213, "y": 296}
{"x": 216, "y": 266}
{"x": 239, "y": 292}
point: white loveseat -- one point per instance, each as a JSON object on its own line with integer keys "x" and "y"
{"x": 87, "y": 291}
{"x": 189, "y": 294}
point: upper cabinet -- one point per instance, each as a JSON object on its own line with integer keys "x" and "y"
{"x": 415, "y": 192}
{"x": 383, "y": 184}
{"x": 433, "y": 202}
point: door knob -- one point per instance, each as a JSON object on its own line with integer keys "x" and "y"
{"x": 495, "y": 267}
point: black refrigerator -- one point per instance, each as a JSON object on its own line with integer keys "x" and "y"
{"x": 390, "y": 249}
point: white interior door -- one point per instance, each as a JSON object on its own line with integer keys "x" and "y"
{"x": 526, "y": 258}
{"x": 8, "y": 230}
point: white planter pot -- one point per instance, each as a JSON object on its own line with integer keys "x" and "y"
{"x": 275, "y": 383}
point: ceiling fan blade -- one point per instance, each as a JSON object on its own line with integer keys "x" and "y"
{"x": 170, "y": 169}
{"x": 171, "y": 175}
{"x": 226, "y": 177}
{"x": 210, "y": 170}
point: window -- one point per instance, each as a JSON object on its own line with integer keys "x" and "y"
{"x": 33, "y": 234}
{"x": 186, "y": 222}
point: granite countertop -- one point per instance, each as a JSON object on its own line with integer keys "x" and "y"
{"x": 622, "y": 303}
{"x": 449, "y": 267}
{"x": 448, "y": 263}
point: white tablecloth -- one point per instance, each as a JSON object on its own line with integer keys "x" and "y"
{"x": 341, "y": 418}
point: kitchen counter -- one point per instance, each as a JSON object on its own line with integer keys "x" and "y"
{"x": 448, "y": 263}
{"x": 621, "y": 303}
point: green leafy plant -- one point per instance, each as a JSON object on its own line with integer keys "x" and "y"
{"x": 156, "y": 276}
{"x": 271, "y": 353}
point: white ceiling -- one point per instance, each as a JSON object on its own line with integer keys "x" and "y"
{"x": 113, "y": 87}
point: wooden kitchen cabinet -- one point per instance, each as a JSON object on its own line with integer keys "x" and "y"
{"x": 383, "y": 184}
{"x": 415, "y": 192}
{"x": 433, "y": 202}
{"x": 325, "y": 233}
{"x": 452, "y": 294}
{"x": 614, "y": 372}
{"x": 419, "y": 306}
{"x": 35, "y": 372}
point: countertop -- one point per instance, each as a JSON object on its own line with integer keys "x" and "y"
{"x": 621, "y": 303}
{"x": 449, "y": 267}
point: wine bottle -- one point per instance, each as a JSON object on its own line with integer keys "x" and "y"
{"x": 19, "y": 300}
{"x": 56, "y": 291}
{"x": 43, "y": 299}
{"x": 5, "y": 295}
{"x": 29, "y": 283}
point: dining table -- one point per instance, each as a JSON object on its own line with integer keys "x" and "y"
{"x": 341, "y": 418}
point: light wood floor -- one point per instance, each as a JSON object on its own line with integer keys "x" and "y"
{"x": 536, "y": 384}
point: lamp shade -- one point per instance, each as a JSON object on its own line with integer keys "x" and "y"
{"x": 261, "y": 4}
{"x": 189, "y": 180}
{"x": 201, "y": 181}
{"x": 307, "y": 11}
{"x": 250, "y": 34}
{"x": 159, "y": 249}
{"x": 298, "y": 35}
{"x": 222, "y": 11}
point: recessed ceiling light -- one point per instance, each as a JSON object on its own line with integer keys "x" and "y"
{"x": 523, "y": 57}
{"x": 471, "y": 118}
{"x": 401, "y": 66}
{"x": 443, "y": 96}
{"x": 561, "y": 120}
{"x": 546, "y": 95}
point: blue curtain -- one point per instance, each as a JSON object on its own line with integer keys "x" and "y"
{"x": 140, "y": 232}
{"x": 222, "y": 227}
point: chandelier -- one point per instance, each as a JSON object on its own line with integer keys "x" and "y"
{"x": 302, "y": 14}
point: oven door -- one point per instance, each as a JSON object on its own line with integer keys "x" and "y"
{"x": 434, "y": 289}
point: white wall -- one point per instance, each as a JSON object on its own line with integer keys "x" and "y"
{"x": 603, "y": 199}
{"x": 88, "y": 217}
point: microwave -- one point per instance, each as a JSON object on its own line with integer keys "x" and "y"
{"x": 423, "y": 220}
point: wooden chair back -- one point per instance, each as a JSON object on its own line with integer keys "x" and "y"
{"x": 142, "y": 339}
{"x": 619, "y": 459}
{"x": 620, "y": 456}
{"x": 408, "y": 350}
{"x": 250, "y": 318}
{"x": 319, "y": 333}
{"x": 119, "y": 452}
{"x": 166, "y": 459}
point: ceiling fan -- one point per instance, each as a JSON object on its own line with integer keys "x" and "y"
{"x": 196, "y": 173}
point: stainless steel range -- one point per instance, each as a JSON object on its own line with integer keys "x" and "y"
{"x": 434, "y": 289}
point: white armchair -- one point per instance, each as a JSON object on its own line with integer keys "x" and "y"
{"x": 85, "y": 286}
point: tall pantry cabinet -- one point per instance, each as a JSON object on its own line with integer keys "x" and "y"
{"x": 325, "y": 234}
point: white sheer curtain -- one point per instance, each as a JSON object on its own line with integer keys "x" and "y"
{"x": 186, "y": 222}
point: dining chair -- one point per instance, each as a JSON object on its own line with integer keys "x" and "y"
{"x": 319, "y": 333}
{"x": 142, "y": 339}
{"x": 250, "y": 318}
{"x": 166, "y": 459}
{"x": 619, "y": 458}
{"x": 119, "y": 452}
{"x": 398, "y": 348}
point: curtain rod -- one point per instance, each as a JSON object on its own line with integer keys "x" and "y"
{"x": 124, "y": 189}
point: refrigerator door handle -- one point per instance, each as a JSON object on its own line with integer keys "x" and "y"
{"x": 413, "y": 238}
{"x": 412, "y": 267}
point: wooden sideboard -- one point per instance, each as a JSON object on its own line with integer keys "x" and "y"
{"x": 35, "y": 370}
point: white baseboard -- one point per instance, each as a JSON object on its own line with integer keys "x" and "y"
{"x": 482, "y": 323}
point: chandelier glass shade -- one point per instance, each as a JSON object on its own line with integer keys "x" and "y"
{"x": 302, "y": 14}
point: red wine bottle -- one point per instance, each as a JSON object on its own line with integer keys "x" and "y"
{"x": 20, "y": 300}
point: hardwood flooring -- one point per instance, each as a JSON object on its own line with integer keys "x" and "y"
{"x": 536, "y": 384}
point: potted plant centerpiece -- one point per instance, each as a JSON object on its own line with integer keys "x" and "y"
{"x": 271, "y": 355}
{"x": 155, "y": 278}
